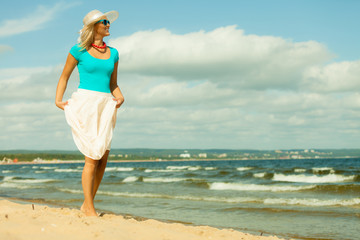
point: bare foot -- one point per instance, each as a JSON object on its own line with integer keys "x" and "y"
{"x": 88, "y": 211}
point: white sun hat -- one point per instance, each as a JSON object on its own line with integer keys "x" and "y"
{"x": 95, "y": 14}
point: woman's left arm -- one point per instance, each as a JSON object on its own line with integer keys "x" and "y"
{"x": 114, "y": 88}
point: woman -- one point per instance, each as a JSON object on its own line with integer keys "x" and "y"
{"x": 91, "y": 111}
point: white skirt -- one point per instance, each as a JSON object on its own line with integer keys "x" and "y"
{"x": 92, "y": 117}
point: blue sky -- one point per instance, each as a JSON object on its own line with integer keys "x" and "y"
{"x": 189, "y": 63}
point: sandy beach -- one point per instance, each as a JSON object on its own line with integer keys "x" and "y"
{"x": 34, "y": 221}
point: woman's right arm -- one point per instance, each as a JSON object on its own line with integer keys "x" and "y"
{"x": 70, "y": 64}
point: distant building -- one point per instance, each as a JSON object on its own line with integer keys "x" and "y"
{"x": 203, "y": 155}
{"x": 278, "y": 151}
{"x": 222, "y": 155}
{"x": 38, "y": 160}
{"x": 185, "y": 155}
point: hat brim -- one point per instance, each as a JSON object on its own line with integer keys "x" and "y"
{"x": 112, "y": 15}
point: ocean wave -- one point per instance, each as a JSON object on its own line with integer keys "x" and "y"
{"x": 16, "y": 180}
{"x": 8, "y": 178}
{"x": 194, "y": 168}
{"x": 164, "y": 180}
{"x": 15, "y": 185}
{"x": 161, "y": 170}
{"x": 177, "y": 167}
{"x": 323, "y": 170}
{"x": 299, "y": 170}
{"x": 255, "y": 187}
{"x": 339, "y": 189}
{"x": 262, "y": 175}
{"x": 183, "y": 197}
{"x": 313, "y": 201}
{"x": 244, "y": 168}
{"x": 330, "y": 178}
{"x": 67, "y": 170}
{"x": 7, "y": 171}
{"x": 68, "y": 190}
{"x": 40, "y": 171}
{"x": 47, "y": 168}
{"x": 119, "y": 169}
{"x": 131, "y": 179}
{"x": 210, "y": 168}
{"x": 259, "y": 175}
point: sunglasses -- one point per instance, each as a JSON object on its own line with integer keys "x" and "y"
{"x": 104, "y": 21}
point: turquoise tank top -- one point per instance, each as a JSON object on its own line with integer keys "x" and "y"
{"x": 94, "y": 73}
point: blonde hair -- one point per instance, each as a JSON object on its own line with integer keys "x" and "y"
{"x": 87, "y": 34}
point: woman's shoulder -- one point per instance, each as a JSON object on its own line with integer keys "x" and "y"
{"x": 78, "y": 48}
{"x": 76, "y": 51}
{"x": 114, "y": 53}
{"x": 113, "y": 49}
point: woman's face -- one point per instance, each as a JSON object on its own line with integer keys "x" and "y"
{"x": 101, "y": 28}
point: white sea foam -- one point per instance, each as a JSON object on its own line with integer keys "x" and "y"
{"x": 164, "y": 180}
{"x": 15, "y": 185}
{"x": 194, "y": 168}
{"x": 127, "y": 194}
{"x": 313, "y": 201}
{"x": 31, "y": 180}
{"x": 244, "y": 168}
{"x": 299, "y": 170}
{"x": 119, "y": 169}
{"x": 40, "y": 171}
{"x": 46, "y": 168}
{"x": 70, "y": 190}
{"x": 255, "y": 187}
{"x": 177, "y": 167}
{"x": 35, "y": 167}
{"x": 330, "y": 178}
{"x": 317, "y": 170}
{"x": 210, "y": 168}
{"x": 259, "y": 175}
{"x": 8, "y": 178}
{"x": 67, "y": 170}
{"x": 217, "y": 199}
{"x": 11, "y": 182}
{"x": 131, "y": 179}
{"x": 161, "y": 170}
{"x": 7, "y": 171}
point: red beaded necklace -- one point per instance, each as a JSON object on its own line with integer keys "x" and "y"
{"x": 101, "y": 47}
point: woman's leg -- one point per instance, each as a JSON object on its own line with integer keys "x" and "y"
{"x": 87, "y": 179}
{"x": 100, "y": 172}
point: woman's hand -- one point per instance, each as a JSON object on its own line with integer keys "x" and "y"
{"x": 61, "y": 105}
{"x": 119, "y": 101}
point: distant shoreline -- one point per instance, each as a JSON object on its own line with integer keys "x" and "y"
{"x": 170, "y": 160}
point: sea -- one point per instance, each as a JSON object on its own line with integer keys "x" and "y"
{"x": 300, "y": 199}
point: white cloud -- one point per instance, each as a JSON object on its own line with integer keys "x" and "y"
{"x": 31, "y": 84}
{"x": 34, "y": 21}
{"x": 335, "y": 77}
{"x": 225, "y": 56}
{"x": 218, "y": 89}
